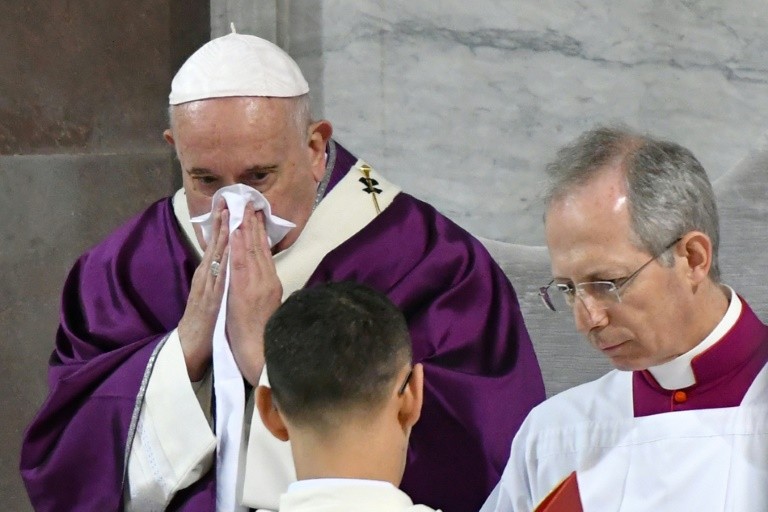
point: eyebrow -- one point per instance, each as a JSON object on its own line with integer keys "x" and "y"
{"x": 200, "y": 171}
{"x": 592, "y": 277}
{"x": 262, "y": 168}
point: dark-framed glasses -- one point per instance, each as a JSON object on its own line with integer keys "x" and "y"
{"x": 602, "y": 294}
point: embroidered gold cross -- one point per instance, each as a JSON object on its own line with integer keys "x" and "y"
{"x": 370, "y": 185}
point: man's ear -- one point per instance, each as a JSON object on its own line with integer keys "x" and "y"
{"x": 696, "y": 248}
{"x": 412, "y": 398}
{"x": 319, "y": 133}
{"x": 270, "y": 416}
{"x": 168, "y": 136}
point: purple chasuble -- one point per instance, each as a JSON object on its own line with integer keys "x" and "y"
{"x": 724, "y": 372}
{"x": 123, "y": 296}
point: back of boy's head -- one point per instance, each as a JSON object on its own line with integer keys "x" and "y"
{"x": 334, "y": 350}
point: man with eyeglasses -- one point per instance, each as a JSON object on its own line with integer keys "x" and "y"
{"x": 344, "y": 391}
{"x": 682, "y": 423}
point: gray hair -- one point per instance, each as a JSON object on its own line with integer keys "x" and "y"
{"x": 302, "y": 113}
{"x": 669, "y": 192}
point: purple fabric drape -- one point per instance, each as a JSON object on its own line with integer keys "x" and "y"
{"x": 123, "y": 296}
{"x": 118, "y": 302}
{"x": 481, "y": 375}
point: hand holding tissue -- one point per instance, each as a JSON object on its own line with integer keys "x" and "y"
{"x": 245, "y": 308}
{"x": 237, "y": 198}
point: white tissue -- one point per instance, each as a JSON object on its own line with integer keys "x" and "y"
{"x": 237, "y": 197}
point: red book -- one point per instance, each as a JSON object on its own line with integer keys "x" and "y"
{"x": 563, "y": 498}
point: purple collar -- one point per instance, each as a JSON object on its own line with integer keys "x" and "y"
{"x": 724, "y": 372}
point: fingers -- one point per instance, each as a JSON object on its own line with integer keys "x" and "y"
{"x": 241, "y": 260}
{"x": 215, "y": 261}
{"x": 251, "y": 263}
{"x": 212, "y": 265}
{"x": 219, "y": 235}
{"x": 221, "y": 279}
{"x": 206, "y": 291}
{"x": 252, "y": 245}
{"x": 256, "y": 239}
{"x": 261, "y": 241}
{"x": 255, "y": 293}
{"x": 197, "y": 324}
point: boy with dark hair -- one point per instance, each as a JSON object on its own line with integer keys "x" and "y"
{"x": 344, "y": 392}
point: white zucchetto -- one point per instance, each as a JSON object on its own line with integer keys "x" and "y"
{"x": 237, "y": 65}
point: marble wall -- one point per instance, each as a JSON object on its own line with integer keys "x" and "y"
{"x": 463, "y": 103}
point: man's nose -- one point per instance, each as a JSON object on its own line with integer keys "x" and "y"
{"x": 589, "y": 313}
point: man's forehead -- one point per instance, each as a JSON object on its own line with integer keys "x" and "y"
{"x": 589, "y": 211}
{"x": 252, "y": 104}
{"x": 234, "y": 116}
{"x": 591, "y": 262}
{"x": 589, "y": 231}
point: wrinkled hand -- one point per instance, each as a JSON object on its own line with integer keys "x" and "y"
{"x": 255, "y": 293}
{"x": 197, "y": 324}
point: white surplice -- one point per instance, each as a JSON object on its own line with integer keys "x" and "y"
{"x": 710, "y": 460}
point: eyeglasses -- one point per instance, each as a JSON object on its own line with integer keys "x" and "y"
{"x": 601, "y": 293}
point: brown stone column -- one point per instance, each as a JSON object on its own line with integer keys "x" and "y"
{"x": 83, "y": 101}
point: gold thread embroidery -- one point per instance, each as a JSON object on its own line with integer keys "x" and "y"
{"x": 370, "y": 185}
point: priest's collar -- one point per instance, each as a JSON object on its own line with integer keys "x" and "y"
{"x": 181, "y": 212}
{"x": 678, "y": 373}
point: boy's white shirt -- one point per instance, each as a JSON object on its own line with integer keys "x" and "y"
{"x": 346, "y": 495}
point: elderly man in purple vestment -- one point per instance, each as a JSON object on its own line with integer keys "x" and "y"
{"x": 139, "y": 417}
{"x": 682, "y": 423}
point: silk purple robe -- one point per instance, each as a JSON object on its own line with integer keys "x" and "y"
{"x": 124, "y": 295}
